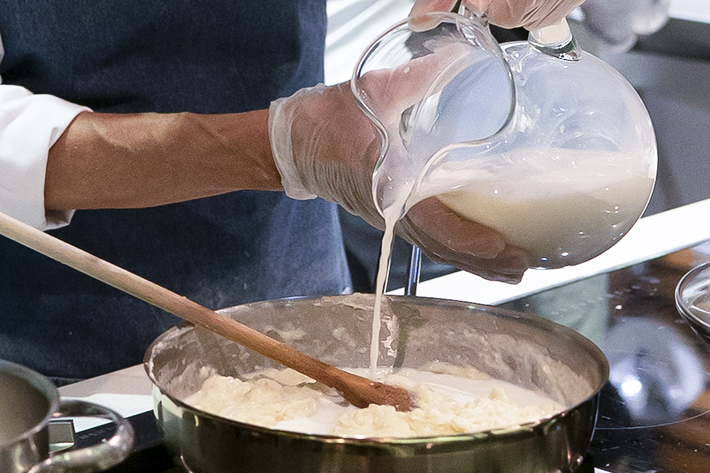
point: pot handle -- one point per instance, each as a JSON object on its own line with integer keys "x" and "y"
{"x": 99, "y": 457}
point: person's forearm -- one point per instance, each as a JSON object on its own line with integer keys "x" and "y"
{"x": 143, "y": 160}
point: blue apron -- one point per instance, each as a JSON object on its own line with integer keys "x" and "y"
{"x": 164, "y": 56}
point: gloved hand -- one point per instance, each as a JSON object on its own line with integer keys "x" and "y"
{"x": 530, "y": 14}
{"x": 325, "y": 146}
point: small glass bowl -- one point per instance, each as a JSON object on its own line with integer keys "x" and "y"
{"x": 692, "y": 298}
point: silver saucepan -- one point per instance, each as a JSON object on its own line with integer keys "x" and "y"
{"x": 28, "y": 401}
{"x": 519, "y": 348}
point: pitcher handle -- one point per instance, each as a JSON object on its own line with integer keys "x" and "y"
{"x": 99, "y": 457}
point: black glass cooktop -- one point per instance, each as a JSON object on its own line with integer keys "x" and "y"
{"x": 654, "y": 413}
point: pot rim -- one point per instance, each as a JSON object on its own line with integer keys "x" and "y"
{"x": 700, "y": 326}
{"x": 42, "y": 384}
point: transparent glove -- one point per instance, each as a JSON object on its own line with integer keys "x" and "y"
{"x": 324, "y": 146}
{"x": 530, "y": 14}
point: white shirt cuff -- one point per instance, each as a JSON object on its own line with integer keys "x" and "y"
{"x": 29, "y": 126}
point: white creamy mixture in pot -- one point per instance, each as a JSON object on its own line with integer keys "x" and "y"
{"x": 449, "y": 399}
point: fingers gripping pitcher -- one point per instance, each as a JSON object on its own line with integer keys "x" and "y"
{"x": 537, "y": 139}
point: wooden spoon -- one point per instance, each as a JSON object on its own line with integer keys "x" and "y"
{"x": 358, "y": 390}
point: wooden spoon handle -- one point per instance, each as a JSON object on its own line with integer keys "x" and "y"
{"x": 186, "y": 309}
{"x": 143, "y": 289}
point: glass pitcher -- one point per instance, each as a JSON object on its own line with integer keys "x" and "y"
{"x": 537, "y": 139}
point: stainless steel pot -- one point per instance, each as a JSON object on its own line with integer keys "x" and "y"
{"x": 28, "y": 401}
{"x": 692, "y": 291}
{"x": 523, "y": 349}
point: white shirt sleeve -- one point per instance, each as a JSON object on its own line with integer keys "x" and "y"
{"x": 29, "y": 125}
